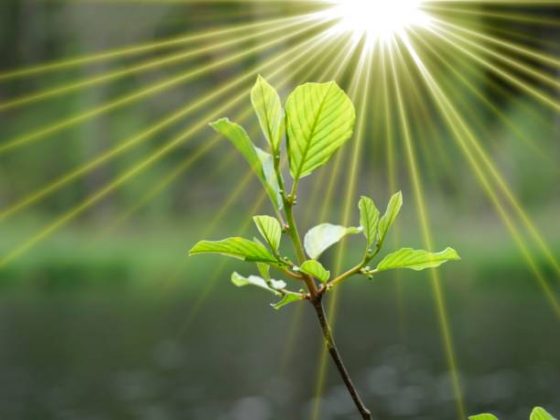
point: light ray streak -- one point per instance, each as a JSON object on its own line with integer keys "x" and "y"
{"x": 415, "y": 178}
{"x": 211, "y": 284}
{"x": 137, "y": 139}
{"x": 392, "y": 177}
{"x": 478, "y": 92}
{"x": 142, "y": 67}
{"x": 507, "y": 16}
{"x": 502, "y": 184}
{"x": 463, "y": 135}
{"x": 364, "y": 72}
{"x": 527, "y": 70}
{"x": 134, "y": 50}
{"x": 545, "y": 99}
{"x": 157, "y": 88}
{"x": 164, "y": 150}
{"x": 527, "y": 52}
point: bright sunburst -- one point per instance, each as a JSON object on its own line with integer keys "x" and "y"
{"x": 377, "y": 20}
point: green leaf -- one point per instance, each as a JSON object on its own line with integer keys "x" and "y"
{"x": 270, "y": 229}
{"x": 287, "y": 299}
{"x": 240, "y": 248}
{"x": 272, "y": 286}
{"x": 540, "y": 413}
{"x": 264, "y": 270}
{"x": 268, "y": 107}
{"x": 321, "y": 119}
{"x": 416, "y": 259}
{"x": 369, "y": 219}
{"x": 315, "y": 268}
{"x": 260, "y": 162}
{"x": 321, "y": 237}
{"x": 270, "y": 180}
{"x": 483, "y": 417}
{"x": 393, "y": 209}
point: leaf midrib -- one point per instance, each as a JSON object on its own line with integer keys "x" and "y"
{"x": 268, "y": 125}
{"x": 308, "y": 144}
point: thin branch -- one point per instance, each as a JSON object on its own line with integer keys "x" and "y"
{"x": 335, "y": 355}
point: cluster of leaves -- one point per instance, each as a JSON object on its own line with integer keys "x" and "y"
{"x": 317, "y": 120}
{"x": 538, "y": 413}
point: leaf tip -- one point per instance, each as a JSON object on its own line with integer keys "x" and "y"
{"x": 218, "y": 122}
{"x": 237, "y": 279}
{"x": 453, "y": 254}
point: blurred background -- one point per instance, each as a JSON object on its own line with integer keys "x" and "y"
{"x": 102, "y": 316}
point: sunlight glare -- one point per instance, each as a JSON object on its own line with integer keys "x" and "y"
{"x": 377, "y": 20}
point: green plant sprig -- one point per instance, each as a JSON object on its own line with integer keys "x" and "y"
{"x": 317, "y": 120}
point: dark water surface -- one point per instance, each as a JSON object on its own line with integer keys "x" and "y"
{"x": 162, "y": 355}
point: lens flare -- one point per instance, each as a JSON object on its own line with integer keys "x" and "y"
{"x": 377, "y": 20}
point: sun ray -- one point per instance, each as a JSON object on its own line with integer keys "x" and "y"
{"x": 537, "y": 94}
{"x": 129, "y": 174}
{"x": 61, "y": 182}
{"x": 139, "y": 68}
{"x": 511, "y": 62}
{"x": 152, "y": 90}
{"x": 465, "y": 139}
{"x": 460, "y": 75}
{"x": 361, "y": 79}
{"x": 415, "y": 179}
{"x": 119, "y": 53}
{"x": 504, "y": 188}
{"x": 507, "y": 16}
{"x": 536, "y": 55}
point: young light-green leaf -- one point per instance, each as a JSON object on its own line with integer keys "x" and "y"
{"x": 320, "y": 120}
{"x": 540, "y": 413}
{"x": 260, "y": 162}
{"x": 268, "y": 107}
{"x": 416, "y": 259}
{"x": 272, "y": 286}
{"x": 315, "y": 268}
{"x": 483, "y": 417}
{"x": 240, "y": 248}
{"x": 369, "y": 219}
{"x": 323, "y": 236}
{"x": 270, "y": 230}
{"x": 264, "y": 270}
{"x": 393, "y": 209}
{"x": 270, "y": 180}
{"x": 287, "y": 299}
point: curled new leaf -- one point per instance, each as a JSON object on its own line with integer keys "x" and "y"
{"x": 323, "y": 236}
{"x": 264, "y": 270}
{"x": 240, "y": 248}
{"x": 416, "y": 259}
{"x": 271, "y": 285}
{"x": 270, "y": 229}
{"x": 369, "y": 219}
{"x": 268, "y": 108}
{"x": 261, "y": 162}
{"x": 315, "y": 268}
{"x": 287, "y": 299}
{"x": 393, "y": 209}
{"x": 320, "y": 120}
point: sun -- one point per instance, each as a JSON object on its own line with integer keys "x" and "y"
{"x": 377, "y": 20}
